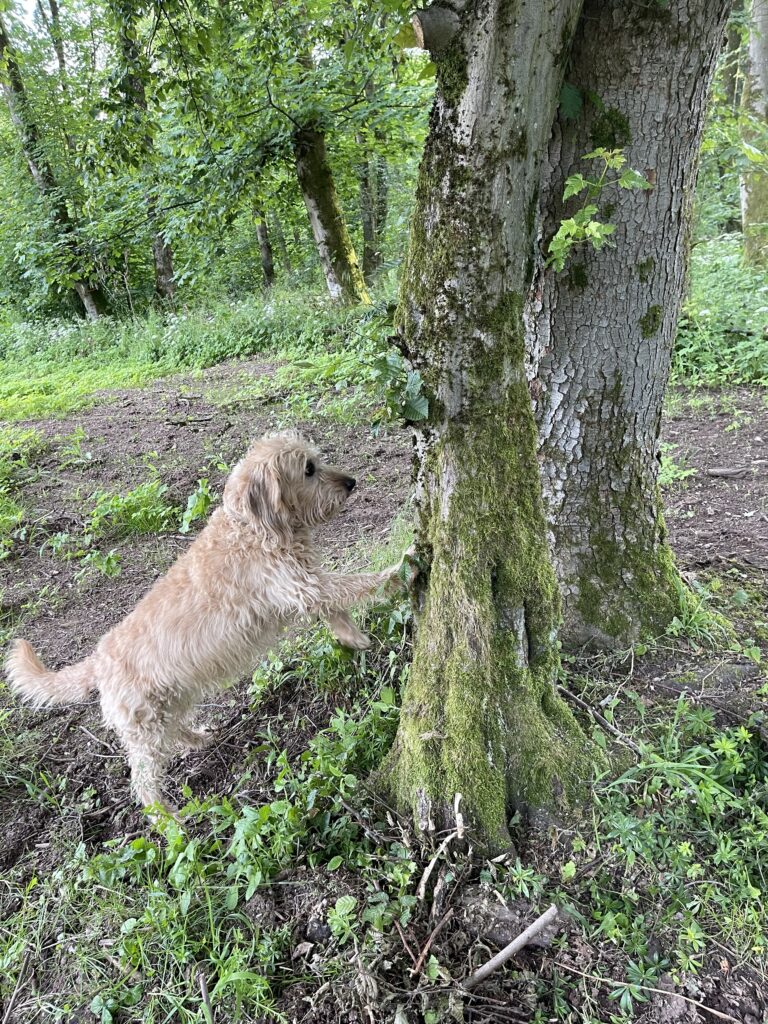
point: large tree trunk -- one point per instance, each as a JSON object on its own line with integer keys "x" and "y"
{"x": 89, "y": 293}
{"x": 605, "y": 326}
{"x": 754, "y": 184}
{"x": 265, "y": 247}
{"x": 337, "y": 256}
{"x": 480, "y": 715}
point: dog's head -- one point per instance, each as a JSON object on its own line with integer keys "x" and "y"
{"x": 282, "y": 484}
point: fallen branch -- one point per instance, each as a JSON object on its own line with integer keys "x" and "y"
{"x": 417, "y": 968}
{"x": 648, "y": 988}
{"x": 509, "y": 951}
{"x": 599, "y": 718}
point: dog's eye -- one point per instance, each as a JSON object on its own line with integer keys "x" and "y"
{"x": 310, "y": 470}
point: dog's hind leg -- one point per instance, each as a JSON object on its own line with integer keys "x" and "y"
{"x": 147, "y": 758}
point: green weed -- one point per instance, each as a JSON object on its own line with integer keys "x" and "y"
{"x": 141, "y": 510}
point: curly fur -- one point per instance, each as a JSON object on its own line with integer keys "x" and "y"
{"x": 252, "y": 571}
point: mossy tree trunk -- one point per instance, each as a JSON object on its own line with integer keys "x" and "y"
{"x": 604, "y": 328}
{"x": 334, "y": 246}
{"x": 480, "y": 715}
{"x": 90, "y": 294}
{"x": 754, "y": 184}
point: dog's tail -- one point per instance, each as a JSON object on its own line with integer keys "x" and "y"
{"x": 32, "y": 680}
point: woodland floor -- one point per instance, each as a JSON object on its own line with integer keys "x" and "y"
{"x": 717, "y": 518}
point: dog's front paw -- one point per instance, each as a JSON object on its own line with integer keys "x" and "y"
{"x": 403, "y": 575}
{"x": 360, "y": 643}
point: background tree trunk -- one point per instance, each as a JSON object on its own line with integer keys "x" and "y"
{"x": 267, "y": 261}
{"x": 367, "y": 216}
{"x": 754, "y": 184}
{"x": 604, "y": 327}
{"x": 282, "y": 246}
{"x": 89, "y": 293}
{"x": 480, "y": 716}
{"x": 135, "y": 94}
{"x": 337, "y": 256}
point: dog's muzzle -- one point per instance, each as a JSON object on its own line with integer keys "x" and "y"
{"x": 349, "y": 483}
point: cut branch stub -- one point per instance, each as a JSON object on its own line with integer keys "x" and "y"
{"x": 435, "y": 28}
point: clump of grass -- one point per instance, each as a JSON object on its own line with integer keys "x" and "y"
{"x": 141, "y": 510}
{"x": 17, "y": 447}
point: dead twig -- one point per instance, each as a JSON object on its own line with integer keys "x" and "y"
{"x": 96, "y": 739}
{"x": 404, "y": 941}
{"x": 509, "y": 950}
{"x": 206, "y": 997}
{"x": 649, "y": 988}
{"x": 17, "y": 987}
{"x": 421, "y": 891}
{"x": 418, "y": 966}
{"x": 608, "y": 726}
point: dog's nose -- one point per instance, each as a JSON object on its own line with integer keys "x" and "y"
{"x": 349, "y": 483}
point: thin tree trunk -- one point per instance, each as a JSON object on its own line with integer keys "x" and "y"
{"x": 732, "y": 59}
{"x": 337, "y": 256}
{"x": 754, "y": 184}
{"x": 135, "y": 94}
{"x": 604, "y": 327}
{"x": 267, "y": 262}
{"x": 90, "y": 294}
{"x": 480, "y": 715}
{"x": 282, "y": 246}
{"x": 381, "y": 205}
{"x": 370, "y": 262}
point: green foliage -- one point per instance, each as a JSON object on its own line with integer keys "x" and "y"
{"x": 198, "y": 503}
{"x": 17, "y": 447}
{"x": 671, "y": 472}
{"x": 583, "y": 226}
{"x": 141, "y": 510}
{"x": 721, "y": 334}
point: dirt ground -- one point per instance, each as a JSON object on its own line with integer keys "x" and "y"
{"x": 185, "y": 427}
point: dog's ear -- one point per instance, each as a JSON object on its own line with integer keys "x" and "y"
{"x": 253, "y": 497}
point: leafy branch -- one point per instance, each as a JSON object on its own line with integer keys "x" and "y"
{"x": 584, "y": 226}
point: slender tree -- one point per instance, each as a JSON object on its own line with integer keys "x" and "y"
{"x": 265, "y": 247}
{"x": 133, "y": 73}
{"x": 605, "y": 327}
{"x": 91, "y": 296}
{"x": 329, "y": 230}
{"x": 480, "y": 714}
{"x": 754, "y": 182}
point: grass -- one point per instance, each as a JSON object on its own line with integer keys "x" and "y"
{"x": 54, "y": 367}
{"x": 721, "y": 334}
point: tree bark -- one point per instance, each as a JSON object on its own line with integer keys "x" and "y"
{"x": 480, "y": 715}
{"x": 265, "y": 247}
{"x": 89, "y": 293}
{"x": 282, "y": 246}
{"x": 754, "y": 184}
{"x": 604, "y": 328}
{"x": 370, "y": 254}
{"x": 337, "y": 256}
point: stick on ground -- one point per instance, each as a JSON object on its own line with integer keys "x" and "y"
{"x": 509, "y": 951}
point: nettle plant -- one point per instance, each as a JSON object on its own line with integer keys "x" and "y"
{"x": 585, "y": 226}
